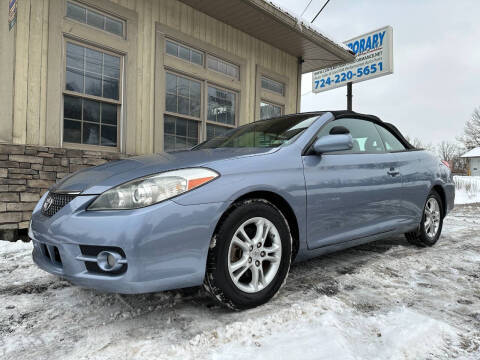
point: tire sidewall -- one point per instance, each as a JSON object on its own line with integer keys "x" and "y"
{"x": 423, "y": 233}
{"x": 245, "y": 211}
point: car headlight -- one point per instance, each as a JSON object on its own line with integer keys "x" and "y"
{"x": 152, "y": 189}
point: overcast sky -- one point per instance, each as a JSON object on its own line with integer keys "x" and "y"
{"x": 436, "y": 81}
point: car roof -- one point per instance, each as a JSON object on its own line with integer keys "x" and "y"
{"x": 342, "y": 114}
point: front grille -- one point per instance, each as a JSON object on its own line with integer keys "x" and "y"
{"x": 55, "y": 201}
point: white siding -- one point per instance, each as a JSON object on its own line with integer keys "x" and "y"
{"x": 475, "y": 166}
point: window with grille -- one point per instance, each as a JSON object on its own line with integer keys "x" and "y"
{"x": 183, "y": 106}
{"x": 215, "y": 130}
{"x": 184, "y": 52}
{"x": 96, "y": 19}
{"x": 221, "y": 111}
{"x": 92, "y": 96}
{"x": 224, "y": 67}
{"x": 196, "y": 108}
{"x": 272, "y": 85}
{"x": 269, "y": 110}
{"x": 184, "y": 116}
{"x": 180, "y": 134}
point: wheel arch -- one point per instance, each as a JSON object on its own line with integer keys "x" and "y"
{"x": 441, "y": 192}
{"x": 280, "y": 203}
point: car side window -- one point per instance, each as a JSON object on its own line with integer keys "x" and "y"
{"x": 390, "y": 140}
{"x": 366, "y": 138}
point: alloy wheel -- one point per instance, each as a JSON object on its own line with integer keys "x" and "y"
{"x": 254, "y": 255}
{"x": 432, "y": 217}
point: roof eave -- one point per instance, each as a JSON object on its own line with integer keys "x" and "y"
{"x": 312, "y": 35}
{"x": 315, "y": 49}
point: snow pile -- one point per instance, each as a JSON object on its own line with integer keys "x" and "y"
{"x": 467, "y": 189}
{"x": 324, "y": 329}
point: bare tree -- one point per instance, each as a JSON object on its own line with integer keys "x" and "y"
{"x": 471, "y": 132}
{"x": 417, "y": 143}
{"x": 448, "y": 150}
{"x": 452, "y": 153}
{"x": 460, "y": 165}
{"x": 445, "y": 150}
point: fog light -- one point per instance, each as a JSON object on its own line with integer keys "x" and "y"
{"x": 110, "y": 261}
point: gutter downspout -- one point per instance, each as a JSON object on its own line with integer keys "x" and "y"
{"x": 299, "y": 84}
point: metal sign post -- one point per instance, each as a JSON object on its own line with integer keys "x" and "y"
{"x": 349, "y": 96}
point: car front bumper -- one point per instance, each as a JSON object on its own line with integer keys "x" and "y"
{"x": 165, "y": 246}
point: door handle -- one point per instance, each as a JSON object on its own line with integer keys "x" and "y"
{"x": 393, "y": 172}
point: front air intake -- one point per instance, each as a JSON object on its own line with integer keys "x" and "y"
{"x": 95, "y": 259}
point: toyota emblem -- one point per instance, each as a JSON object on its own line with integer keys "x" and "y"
{"x": 48, "y": 203}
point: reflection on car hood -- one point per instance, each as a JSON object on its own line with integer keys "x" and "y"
{"x": 97, "y": 179}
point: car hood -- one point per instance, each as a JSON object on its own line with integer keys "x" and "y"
{"x": 98, "y": 179}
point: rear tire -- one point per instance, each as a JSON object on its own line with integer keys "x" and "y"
{"x": 249, "y": 256}
{"x": 431, "y": 224}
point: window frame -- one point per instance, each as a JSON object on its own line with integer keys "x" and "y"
{"x": 210, "y": 84}
{"x": 264, "y": 95}
{"x": 385, "y": 145}
{"x": 60, "y": 28}
{"x": 101, "y": 12}
{"x": 269, "y": 90}
{"x": 309, "y": 148}
{"x": 168, "y": 63}
{"x": 205, "y": 56}
{"x": 187, "y": 46}
{"x": 118, "y": 103}
{"x": 203, "y": 119}
{"x": 208, "y": 55}
{"x": 188, "y": 117}
{"x": 178, "y": 115}
{"x": 282, "y": 107}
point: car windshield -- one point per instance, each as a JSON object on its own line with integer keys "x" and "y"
{"x": 268, "y": 133}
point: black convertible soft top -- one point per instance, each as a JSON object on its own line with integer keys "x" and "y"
{"x": 347, "y": 113}
{"x": 341, "y": 114}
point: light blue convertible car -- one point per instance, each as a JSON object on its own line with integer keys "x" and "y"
{"x": 235, "y": 211}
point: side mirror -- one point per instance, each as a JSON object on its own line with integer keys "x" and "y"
{"x": 330, "y": 143}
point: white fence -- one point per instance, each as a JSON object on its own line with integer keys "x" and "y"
{"x": 467, "y": 189}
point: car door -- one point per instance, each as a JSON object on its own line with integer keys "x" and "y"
{"x": 351, "y": 194}
{"x": 415, "y": 178}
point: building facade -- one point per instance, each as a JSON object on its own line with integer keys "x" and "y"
{"x": 473, "y": 158}
{"x": 90, "y": 81}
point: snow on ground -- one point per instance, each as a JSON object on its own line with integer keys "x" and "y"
{"x": 385, "y": 300}
{"x": 467, "y": 189}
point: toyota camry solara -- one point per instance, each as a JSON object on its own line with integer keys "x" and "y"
{"x": 235, "y": 211}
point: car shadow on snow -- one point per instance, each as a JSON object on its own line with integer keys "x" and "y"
{"x": 317, "y": 275}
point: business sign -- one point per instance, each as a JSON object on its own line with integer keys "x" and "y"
{"x": 12, "y": 14}
{"x": 373, "y": 58}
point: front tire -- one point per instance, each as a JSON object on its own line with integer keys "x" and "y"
{"x": 249, "y": 256}
{"x": 432, "y": 222}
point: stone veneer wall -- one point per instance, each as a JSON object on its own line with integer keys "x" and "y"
{"x": 26, "y": 172}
